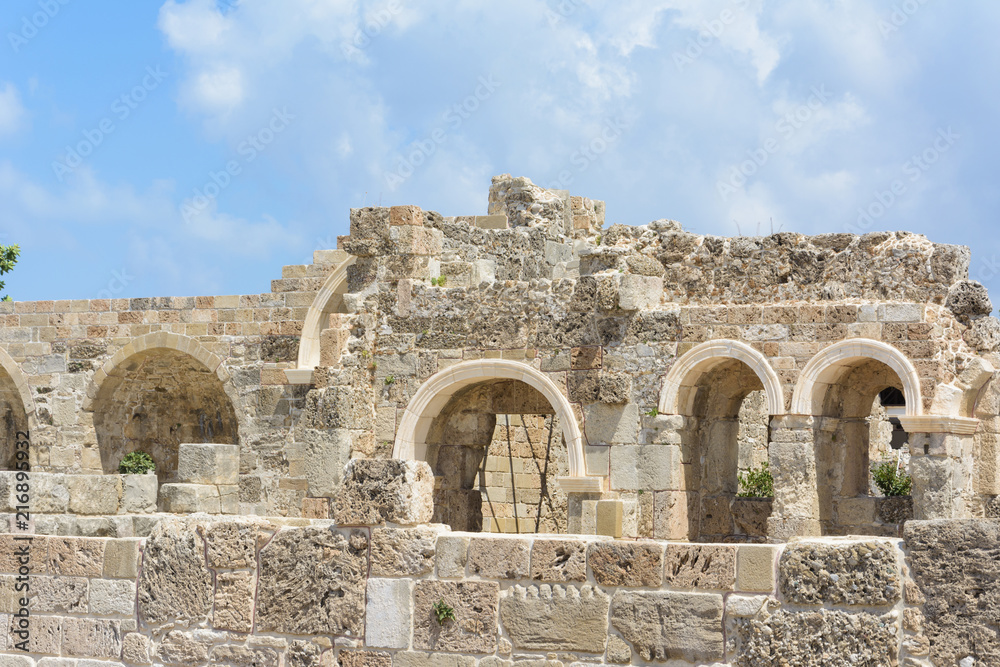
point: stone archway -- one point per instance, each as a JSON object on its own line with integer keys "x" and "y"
{"x": 328, "y": 300}
{"x": 16, "y": 409}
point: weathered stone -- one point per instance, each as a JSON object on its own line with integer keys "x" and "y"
{"x": 175, "y": 584}
{"x": 234, "y": 594}
{"x": 121, "y": 558}
{"x": 556, "y": 618}
{"x": 626, "y": 563}
{"x": 91, "y": 638}
{"x": 817, "y": 638}
{"x": 208, "y": 463}
{"x": 136, "y": 649}
{"x": 967, "y": 300}
{"x": 710, "y": 567}
{"x": 231, "y": 545}
{"x": 559, "y": 560}
{"x": 304, "y": 654}
{"x": 312, "y": 581}
{"x": 139, "y": 493}
{"x": 474, "y": 629}
{"x": 364, "y": 659}
{"x": 618, "y": 650}
{"x": 112, "y": 597}
{"x": 670, "y": 626}
{"x": 182, "y": 648}
{"x": 190, "y": 498}
{"x": 44, "y": 634}
{"x": 76, "y": 556}
{"x": 750, "y": 515}
{"x": 416, "y": 659}
{"x": 376, "y": 491}
{"x": 855, "y": 573}
{"x": 244, "y": 656}
{"x": 499, "y": 557}
{"x": 59, "y": 594}
{"x": 398, "y": 552}
{"x": 389, "y": 613}
{"x": 94, "y": 494}
{"x": 983, "y": 335}
{"x": 755, "y": 568}
{"x": 452, "y": 555}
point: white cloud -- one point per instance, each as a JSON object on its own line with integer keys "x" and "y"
{"x": 12, "y": 112}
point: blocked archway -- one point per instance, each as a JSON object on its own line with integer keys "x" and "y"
{"x": 329, "y": 300}
{"x": 157, "y": 392}
{"x": 16, "y": 409}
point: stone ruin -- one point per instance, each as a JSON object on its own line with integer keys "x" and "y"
{"x": 512, "y": 439}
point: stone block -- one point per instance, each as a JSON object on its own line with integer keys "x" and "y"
{"x": 139, "y": 494}
{"x": 615, "y": 387}
{"x": 43, "y": 636}
{"x": 312, "y": 581}
{"x": 496, "y": 221}
{"x": 856, "y": 511}
{"x": 474, "y": 629}
{"x": 175, "y": 584}
{"x": 825, "y": 636}
{"x": 400, "y": 552}
{"x": 556, "y": 618}
{"x": 94, "y": 494}
{"x": 376, "y": 491}
{"x": 364, "y": 659}
{"x": 406, "y": 215}
{"x": 232, "y": 545}
{"x": 332, "y": 343}
{"x": 326, "y": 454}
{"x": 675, "y": 515}
{"x": 417, "y": 659}
{"x": 646, "y": 467}
{"x": 499, "y": 557}
{"x": 190, "y": 498}
{"x": 452, "y": 555}
{"x": 852, "y": 573}
{"x": 626, "y": 563}
{"x": 91, "y": 638}
{"x": 559, "y": 560}
{"x": 112, "y": 597}
{"x": 411, "y": 240}
{"x": 49, "y": 493}
{"x": 755, "y": 568}
{"x": 612, "y": 424}
{"x": 234, "y": 595}
{"x": 182, "y": 648}
{"x": 708, "y": 567}
{"x": 76, "y": 556}
{"x": 389, "y": 613}
{"x": 610, "y": 517}
{"x": 54, "y": 595}
{"x": 900, "y": 312}
{"x": 136, "y": 649}
{"x": 208, "y": 463}
{"x": 666, "y": 626}
{"x": 251, "y": 656}
{"x": 639, "y": 292}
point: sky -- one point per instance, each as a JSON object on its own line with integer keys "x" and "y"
{"x": 194, "y": 147}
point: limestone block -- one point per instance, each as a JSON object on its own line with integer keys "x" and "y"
{"x": 790, "y": 638}
{"x": 670, "y": 626}
{"x": 389, "y": 613}
{"x": 94, "y": 494}
{"x": 612, "y": 424}
{"x": 326, "y": 454}
{"x": 499, "y": 557}
{"x": 483, "y": 271}
{"x": 856, "y": 511}
{"x": 619, "y": 650}
{"x": 556, "y": 618}
{"x": 57, "y": 594}
{"x": 376, "y": 491}
{"x": 708, "y": 567}
{"x": 646, "y": 467}
{"x": 639, "y": 292}
{"x": 49, "y": 493}
{"x": 208, "y": 463}
{"x": 234, "y": 594}
{"x": 136, "y": 649}
{"x": 675, "y": 514}
{"x": 332, "y": 343}
{"x": 244, "y": 655}
{"x": 232, "y": 545}
{"x": 626, "y": 563}
{"x": 175, "y": 584}
{"x": 968, "y": 300}
{"x": 900, "y": 312}
{"x": 615, "y": 387}
{"x": 853, "y": 573}
{"x": 304, "y": 654}
{"x": 452, "y": 555}
{"x": 91, "y": 638}
{"x": 755, "y": 568}
{"x": 44, "y": 635}
{"x": 750, "y": 515}
{"x": 182, "y": 648}
{"x": 21, "y": 661}
{"x": 416, "y": 659}
{"x": 190, "y": 498}
{"x": 746, "y": 606}
{"x": 139, "y": 494}
{"x": 406, "y": 215}
{"x": 365, "y": 659}
{"x": 76, "y": 556}
{"x": 559, "y": 560}
{"x": 413, "y": 240}
{"x": 610, "y": 517}
{"x": 312, "y": 581}
{"x": 112, "y": 597}
{"x": 474, "y": 629}
{"x": 399, "y": 552}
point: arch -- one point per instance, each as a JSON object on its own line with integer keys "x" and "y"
{"x": 824, "y": 369}
{"x": 309, "y": 353}
{"x": 20, "y": 381}
{"x": 680, "y": 386}
{"x": 158, "y": 339}
{"x": 433, "y": 395}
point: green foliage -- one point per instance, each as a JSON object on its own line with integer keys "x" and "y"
{"x": 136, "y": 463}
{"x": 653, "y": 413}
{"x": 438, "y": 282}
{"x": 443, "y": 611}
{"x": 756, "y": 482}
{"x": 890, "y": 478}
{"x": 8, "y": 258}
{"x": 389, "y": 379}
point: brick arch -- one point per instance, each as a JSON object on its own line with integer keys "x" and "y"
{"x": 828, "y": 365}
{"x": 434, "y": 394}
{"x": 680, "y": 386}
{"x": 309, "y": 352}
{"x": 13, "y": 371}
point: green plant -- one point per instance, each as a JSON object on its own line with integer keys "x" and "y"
{"x": 443, "y": 611}
{"x": 756, "y": 482}
{"x": 389, "y": 379}
{"x": 8, "y": 258}
{"x": 441, "y": 281}
{"x": 890, "y": 478}
{"x": 136, "y": 463}
{"x": 598, "y": 240}
{"x": 653, "y": 413}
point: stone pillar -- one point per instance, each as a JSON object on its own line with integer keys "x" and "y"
{"x": 792, "y": 458}
{"x": 941, "y": 459}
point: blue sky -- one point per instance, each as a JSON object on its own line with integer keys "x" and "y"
{"x": 184, "y": 148}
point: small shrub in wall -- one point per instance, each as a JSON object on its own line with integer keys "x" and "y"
{"x": 443, "y": 612}
{"x": 136, "y": 463}
{"x": 756, "y": 482}
{"x": 891, "y": 479}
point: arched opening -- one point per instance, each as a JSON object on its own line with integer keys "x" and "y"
{"x": 13, "y": 419}
{"x": 156, "y": 399}
{"x": 496, "y": 449}
{"x": 329, "y": 302}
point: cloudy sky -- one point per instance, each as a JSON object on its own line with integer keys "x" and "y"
{"x": 194, "y": 147}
